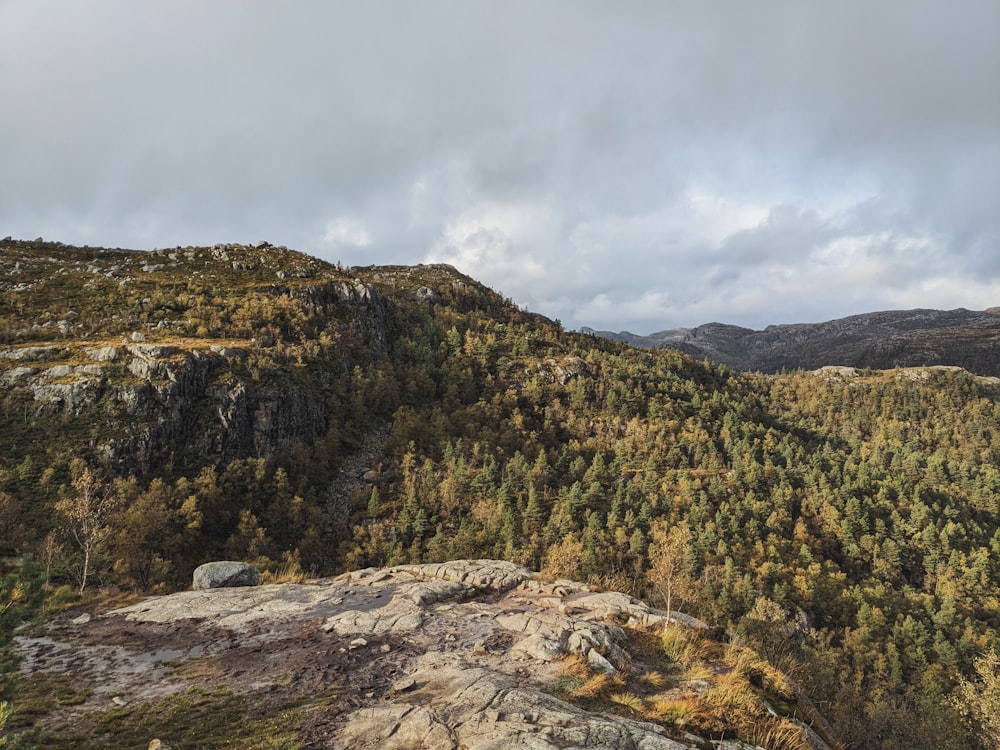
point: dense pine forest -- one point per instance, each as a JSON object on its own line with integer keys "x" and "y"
{"x": 845, "y": 525}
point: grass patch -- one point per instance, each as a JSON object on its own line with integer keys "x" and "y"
{"x": 39, "y": 693}
{"x": 196, "y": 718}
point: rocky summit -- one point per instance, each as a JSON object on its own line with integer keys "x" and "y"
{"x": 464, "y": 654}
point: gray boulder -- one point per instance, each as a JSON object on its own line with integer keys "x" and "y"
{"x": 225, "y": 574}
{"x": 425, "y": 294}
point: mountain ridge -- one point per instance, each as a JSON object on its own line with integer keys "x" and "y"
{"x": 877, "y": 340}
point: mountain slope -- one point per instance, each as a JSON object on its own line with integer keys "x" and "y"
{"x": 881, "y": 340}
{"x": 253, "y": 403}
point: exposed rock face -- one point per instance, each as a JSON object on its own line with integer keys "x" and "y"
{"x": 156, "y": 391}
{"x": 225, "y": 574}
{"x": 570, "y": 368}
{"x": 451, "y": 655}
{"x": 150, "y": 382}
{"x": 463, "y": 706}
{"x": 425, "y": 294}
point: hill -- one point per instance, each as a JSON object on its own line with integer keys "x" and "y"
{"x": 878, "y": 341}
{"x": 253, "y": 403}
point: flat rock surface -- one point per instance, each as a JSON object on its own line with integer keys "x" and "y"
{"x": 456, "y": 655}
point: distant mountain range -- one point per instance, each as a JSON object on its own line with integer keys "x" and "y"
{"x": 879, "y": 340}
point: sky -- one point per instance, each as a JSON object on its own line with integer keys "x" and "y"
{"x": 620, "y": 165}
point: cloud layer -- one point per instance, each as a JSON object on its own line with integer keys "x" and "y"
{"x": 630, "y": 165}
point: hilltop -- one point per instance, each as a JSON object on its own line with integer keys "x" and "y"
{"x": 252, "y": 403}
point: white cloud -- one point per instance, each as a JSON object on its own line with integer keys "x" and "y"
{"x": 649, "y": 306}
{"x": 346, "y": 231}
{"x": 646, "y": 164}
{"x": 497, "y": 243}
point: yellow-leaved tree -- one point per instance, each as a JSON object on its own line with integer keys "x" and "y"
{"x": 87, "y": 511}
{"x": 671, "y": 570}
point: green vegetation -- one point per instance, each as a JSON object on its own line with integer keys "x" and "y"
{"x": 195, "y": 718}
{"x": 21, "y": 594}
{"x": 847, "y": 529}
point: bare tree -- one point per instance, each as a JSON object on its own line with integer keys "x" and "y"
{"x": 87, "y": 511}
{"x": 49, "y": 551}
{"x": 670, "y": 564}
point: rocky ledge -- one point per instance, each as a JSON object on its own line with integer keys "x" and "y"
{"x": 464, "y": 654}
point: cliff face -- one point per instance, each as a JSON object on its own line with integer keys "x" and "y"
{"x": 145, "y": 401}
{"x": 465, "y": 654}
{"x": 223, "y": 353}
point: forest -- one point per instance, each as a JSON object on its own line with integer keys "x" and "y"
{"x": 846, "y": 526}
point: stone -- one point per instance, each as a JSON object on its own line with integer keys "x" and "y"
{"x": 401, "y": 686}
{"x": 32, "y": 352}
{"x": 424, "y": 294}
{"x": 225, "y": 574}
{"x": 598, "y": 662}
{"x": 455, "y": 705}
{"x": 399, "y": 727}
{"x": 59, "y": 371}
{"x": 389, "y": 619}
{"x": 227, "y": 352}
{"x": 537, "y": 646}
{"x": 429, "y": 592}
{"x": 102, "y": 353}
{"x": 17, "y": 375}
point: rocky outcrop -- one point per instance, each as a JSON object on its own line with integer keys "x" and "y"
{"x": 224, "y": 574}
{"x": 450, "y": 706}
{"x": 565, "y": 370}
{"x": 222, "y": 352}
{"x": 164, "y": 397}
{"x": 428, "y": 295}
{"x": 463, "y": 654}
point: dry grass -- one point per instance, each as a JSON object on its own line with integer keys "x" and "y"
{"x": 630, "y": 701}
{"x": 690, "y": 683}
{"x": 289, "y": 571}
{"x": 575, "y": 665}
{"x": 678, "y": 712}
{"x": 594, "y": 688}
{"x": 685, "y": 647}
{"x": 731, "y": 695}
{"x": 760, "y": 673}
{"x": 654, "y": 680}
{"x": 780, "y": 734}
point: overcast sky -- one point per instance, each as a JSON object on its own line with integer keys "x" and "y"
{"x": 619, "y": 165}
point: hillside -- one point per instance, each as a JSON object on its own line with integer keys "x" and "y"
{"x": 878, "y": 341}
{"x": 253, "y": 403}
